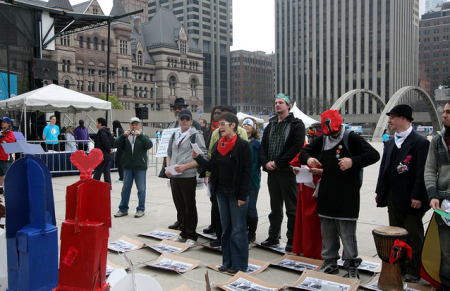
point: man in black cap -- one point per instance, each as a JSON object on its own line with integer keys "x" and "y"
{"x": 401, "y": 185}
{"x": 177, "y": 106}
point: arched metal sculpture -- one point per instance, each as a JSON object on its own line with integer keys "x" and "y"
{"x": 341, "y": 101}
{"x": 382, "y": 122}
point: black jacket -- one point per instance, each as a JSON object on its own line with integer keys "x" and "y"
{"x": 241, "y": 156}
{"x": 295, "y": 138}
{"x": 103, "y": 141}
{"x": 339, "y": 191}
{"x": 408, "y": 185}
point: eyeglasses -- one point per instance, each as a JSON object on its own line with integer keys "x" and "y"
{"x": 185, "y": 118}
{"x": 222, "y": 124}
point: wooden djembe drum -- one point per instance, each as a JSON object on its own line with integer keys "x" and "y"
{"x": 385, "y": 236}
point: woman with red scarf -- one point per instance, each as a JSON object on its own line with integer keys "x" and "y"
{"x": 307, "y": 232}
{"x": 231, "y": 172}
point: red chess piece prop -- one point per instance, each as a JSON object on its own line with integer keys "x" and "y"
{"x": 85, "y": 232}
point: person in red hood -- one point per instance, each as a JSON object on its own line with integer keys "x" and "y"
{"x": 6, "y": 136}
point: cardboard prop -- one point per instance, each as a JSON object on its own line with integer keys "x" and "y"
{"x": 181, "y": 288}
{"x": 125, "y": 244}
{"x": 373, "y": 285}
{"x": 297, "y": 263}
{"x": 174, "y": 263}
{"x": 85, "y": 232}
{"x": 315, "y": 281}
{"x": 254, "y": 267}
{"x": 169, "y": 247}
{"x": 279, "y": 248}
{"x": 208, "y": 246}
{"x": 368, "y": 264}
{"x": 110, "y": 267}
{"x": 162, "y": 233}
{"x": 31, "y": 233}
{"x": 242, "y": 281}
{"x": 211, "y": 236}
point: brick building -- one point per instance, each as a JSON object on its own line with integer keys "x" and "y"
{"x": 434, "y": 48}
{"x": 143, "y": 55}
{"x": 252, "y": 81}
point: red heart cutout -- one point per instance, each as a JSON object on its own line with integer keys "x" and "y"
{"x": 86, "y": 164}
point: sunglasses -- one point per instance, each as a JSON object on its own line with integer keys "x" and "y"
{"x": 185, "y": 118}
{"x": 178, "y": 107}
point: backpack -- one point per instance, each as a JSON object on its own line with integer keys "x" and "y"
{"x": 345, "y": 140}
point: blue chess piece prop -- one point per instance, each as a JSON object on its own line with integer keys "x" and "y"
{"x": 31, "y": 233}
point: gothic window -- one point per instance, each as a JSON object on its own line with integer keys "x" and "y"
{"x": 182, "y": 47}
{"x": 95, "y": 43}
{"x": 135, "y": 91}
{"x": 88, "y": 43}
{"x": 139, "y": 58}
{"x": 68, "y": 66}
{"x": 80, "y": 42}
{"x": 172, "y": 84}
{"x": 103, "y": 45}
{"x": 64, "y": 66}
{"x": 124, "y": 90}
{"x": 66, "y": 84}
{"x": 193, "y": 88}
{"x": 140, "y": 92}
{"x": 145, "y": 92}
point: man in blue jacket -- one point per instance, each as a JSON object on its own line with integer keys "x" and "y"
{"x": 135, "y": 145}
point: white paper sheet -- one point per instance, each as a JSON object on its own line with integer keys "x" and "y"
{"x": 196, "y": 148}
{"x": 171, "y": 170}
{"x": 304, "y": 175}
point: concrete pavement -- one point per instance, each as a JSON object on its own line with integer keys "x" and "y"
{"x": 160, "y": 212}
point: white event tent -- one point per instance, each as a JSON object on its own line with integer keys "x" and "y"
{"x": 242, "y": 116}
{"x": 54, "y": 98}
{"x": 308, "y": 121}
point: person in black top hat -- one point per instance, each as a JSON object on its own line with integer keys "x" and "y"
{"x": 177, "y": 106}
{"x": 401, "y": 185}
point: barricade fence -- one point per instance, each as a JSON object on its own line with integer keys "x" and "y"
{"x": 57, "y": 158}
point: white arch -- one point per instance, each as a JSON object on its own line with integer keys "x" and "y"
{"x": 341, "y": 101}
{"x": 382, "y": 122}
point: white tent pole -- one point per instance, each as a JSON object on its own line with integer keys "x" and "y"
{"x": 25, "y": 125}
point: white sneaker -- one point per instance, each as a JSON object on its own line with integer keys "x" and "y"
{"x": 191, "y": 242}
{"x": 179, "y": 239}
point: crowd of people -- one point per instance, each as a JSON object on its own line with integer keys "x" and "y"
{"x": 229, "y": 155}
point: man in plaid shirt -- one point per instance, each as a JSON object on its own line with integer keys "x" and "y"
{"x": 282, "y": 140}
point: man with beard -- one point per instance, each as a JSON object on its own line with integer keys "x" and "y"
{"x": 401, "y": 185}
{"x": 437, "y": 181}
{"x": 283, "y": 138}
{"x": 342, "y": 154}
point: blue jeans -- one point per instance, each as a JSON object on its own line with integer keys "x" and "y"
{"x": 139, "y": 177}
{"x": 252, "y": 199}
{"x": 332, "y": 230}
{"x": 234, "y": 230}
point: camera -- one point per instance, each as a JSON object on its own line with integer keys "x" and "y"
{"x": 131, "y": 132}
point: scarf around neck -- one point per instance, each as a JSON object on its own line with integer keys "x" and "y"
{"x": 214, "y": 125}
{"x": 225, "y": 146}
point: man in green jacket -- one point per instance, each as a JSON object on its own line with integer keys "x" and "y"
{"x": 135, "y": 145}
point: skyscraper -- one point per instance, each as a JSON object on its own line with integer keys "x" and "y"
{"x": 209, "y": 23}
{"x": 326, "y": 48}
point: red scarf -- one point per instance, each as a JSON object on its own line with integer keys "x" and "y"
{"x": 214, "y": 125}
{"x": 225, "y": 146}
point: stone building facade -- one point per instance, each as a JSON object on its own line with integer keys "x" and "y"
{"x": 158, "y": 55}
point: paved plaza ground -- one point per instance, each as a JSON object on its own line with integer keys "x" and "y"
{"x": 160, "y": 212}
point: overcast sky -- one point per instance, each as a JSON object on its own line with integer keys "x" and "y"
{"x": 253, "y": 23}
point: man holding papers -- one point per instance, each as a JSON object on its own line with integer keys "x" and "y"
{"x": 184, "y": 182}
{"x": 437, "y": 173}
{"x": 342, "y": 155}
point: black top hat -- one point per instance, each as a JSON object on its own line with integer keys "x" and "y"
{"x": 179, "y": 102}
{"x": 402, "y": 110}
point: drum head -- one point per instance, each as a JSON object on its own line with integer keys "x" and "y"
{"x": 390, "y": 230}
